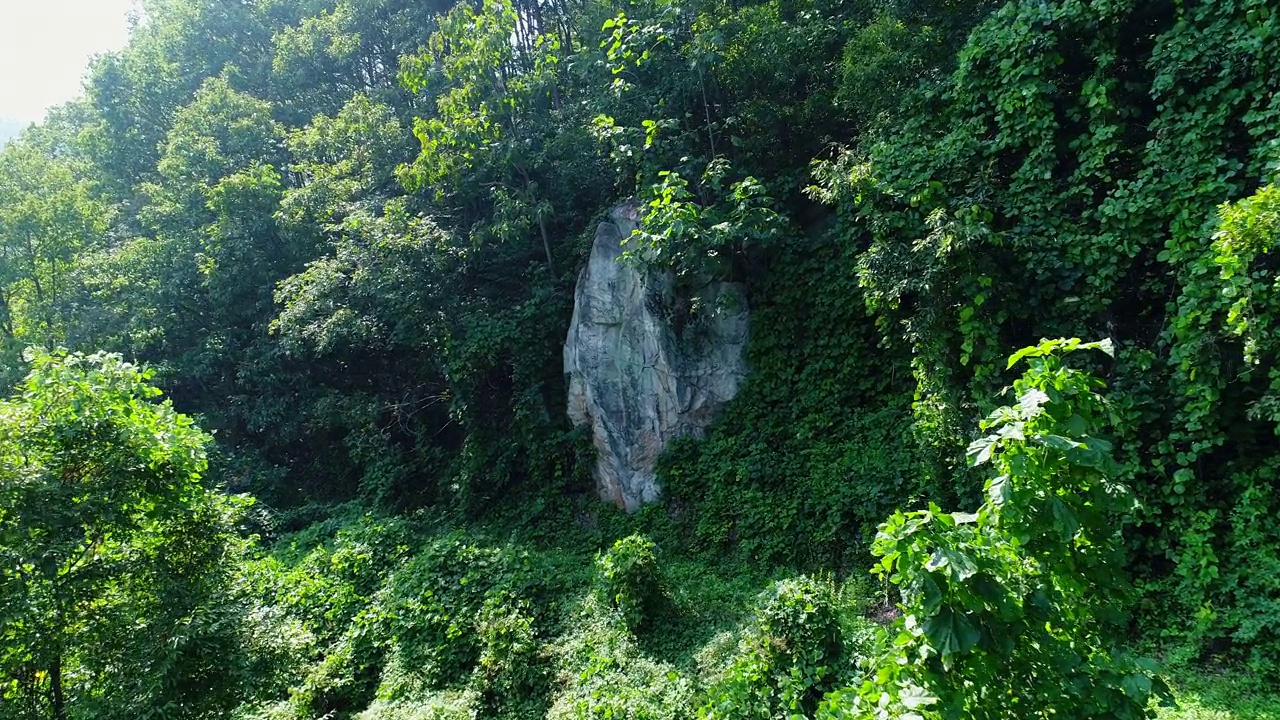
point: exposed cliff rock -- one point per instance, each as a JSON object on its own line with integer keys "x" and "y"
{"x": 647, "y": 365}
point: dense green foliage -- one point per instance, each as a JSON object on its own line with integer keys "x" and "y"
{"x": 119, "y": 590}
{"x": 345, "y": 234}
{"x": 1011, "y": 612}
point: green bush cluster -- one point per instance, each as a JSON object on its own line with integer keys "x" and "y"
{"x": 1012, "y": 611}
{"x": 603, "y": 673}
{"x": 631, "y": 582}
{"x": 788, "y": 660}
{"x": 395, "y": 618}
{"x": 511, "y": 677}
{"x": 392, "y": 615}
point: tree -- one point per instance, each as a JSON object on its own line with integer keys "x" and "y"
{"x": 137, "y": 91}
{"x": 355, "y": 49}
{"x": 116, "y": 560}
{"x": 47, "y": 216}
{"x": 213, "y": 218}
{"x": 506, "y": 152}
{"x": 1012, "y": 611}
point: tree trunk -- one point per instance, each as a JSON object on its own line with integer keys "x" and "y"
{"x": 55, "y": 689}
{"x": 35, "y": 269}
{"x": 546, "y": 244}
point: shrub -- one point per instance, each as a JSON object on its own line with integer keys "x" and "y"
{"x": 510, "y": 678}
{"x": 788, "y": 660}
{"x": 630, "y": 580}
{"x": 1010, "y": 612}
{"x": 448, "y": 705}
{"x": 435, "y": 599}
{"x": 347, "y": 676}
{"x": 604, "y": 675}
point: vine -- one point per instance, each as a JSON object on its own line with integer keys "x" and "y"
{"x": 1007, "y": 611}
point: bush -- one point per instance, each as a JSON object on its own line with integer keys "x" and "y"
{"x": 393, "y": 626}
{"x": 1012, "y": 611}
{"x": 788, "y": 660}
{"x": 510, "y": 678}
{"x": 449, "y": 705}
{"x": 604, "y": 675}
{"x": 798, "y": 619}
{"x": 630, "y": 580}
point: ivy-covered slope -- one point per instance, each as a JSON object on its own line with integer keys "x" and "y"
{"x": 345, "y": 234}
{"x": 1071, "y": 183}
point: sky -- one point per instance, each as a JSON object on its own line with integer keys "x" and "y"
{"x": 45, "y": 47}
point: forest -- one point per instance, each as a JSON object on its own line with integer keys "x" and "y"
{"x": 284, "y": 295}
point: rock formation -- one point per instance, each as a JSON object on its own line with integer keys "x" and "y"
{"x": 647, "y": 364}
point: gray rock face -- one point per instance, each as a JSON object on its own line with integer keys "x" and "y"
{"x": 645, "y": 365}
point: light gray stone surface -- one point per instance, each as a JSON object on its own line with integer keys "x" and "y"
{"x": 645, "y": 365}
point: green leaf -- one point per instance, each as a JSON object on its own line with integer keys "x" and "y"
{"x": 980, "y": 450}
{"x": 999, "y": 490}
{"x": 1137, "y": 686}
{"x": 1030, "y": 351}
{"x": 951, "y": 633}
{"x": 913, "y": 696}
{"x": 1031, "y": 401}
{"x": 959, "y": 565}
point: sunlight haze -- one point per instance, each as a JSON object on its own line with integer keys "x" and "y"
{"x": 45, "y": 48}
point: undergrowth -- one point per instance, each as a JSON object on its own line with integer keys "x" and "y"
{"x": 608, "y": 616}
